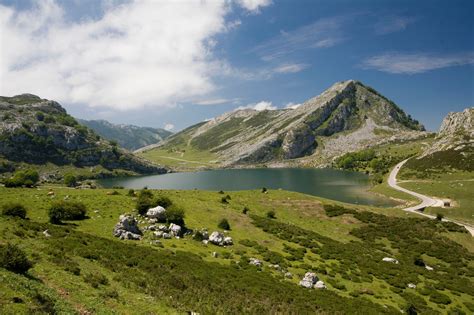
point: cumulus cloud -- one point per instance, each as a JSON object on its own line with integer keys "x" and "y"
{"x": 260, "y": 106}
{"x": 169, "y": 126}
{"x": 254, "y": 6}
{"x": 416, "y": 63}
{"x": 292, "y": 105}
{"x": 136, "y": 54}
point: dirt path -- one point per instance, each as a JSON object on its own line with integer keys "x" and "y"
{"x": 425, "y": 200}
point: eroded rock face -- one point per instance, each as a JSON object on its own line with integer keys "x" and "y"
{"x": 309, "y": 280}
{"x": 127, "y": 228}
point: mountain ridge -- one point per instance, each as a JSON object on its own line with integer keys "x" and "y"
{"x": 249, "y": 136}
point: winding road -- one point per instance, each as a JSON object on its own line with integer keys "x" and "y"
{"x": 425, "y": 200}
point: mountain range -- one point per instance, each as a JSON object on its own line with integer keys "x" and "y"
{"x": 127, "y": 136}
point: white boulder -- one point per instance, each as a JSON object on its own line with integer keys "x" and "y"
{"x": 217, "y": 238}
{"x": 309, "y": 280}
{"x": 428, "y": 268}
{"x": 158, "y": 213}
{"x": 320, "y": 285}
{"x": 412, "y": 286}
{"x": 228, "y": 240}
{"x": 175, "y": 229}
{"x": 166, "y": 235}
{"x": 255, "y": 262}
{"x": 388, "y": 259}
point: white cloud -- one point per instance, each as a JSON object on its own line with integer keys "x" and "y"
{"x": 393, "y": 24}
{"x": 169, "y": 126}
{"x": 415, "y": 63}
{"x": 320, "y": 34}
{"x": 291, "y": 68}
{"x": 254, "y": 6}
{"x": 292, "y": 105}
{"x": 260, "y": 106}
{"x": 233, "y": 24}
{"x": 139, "y": 53}
{"x": 217, "y": 101}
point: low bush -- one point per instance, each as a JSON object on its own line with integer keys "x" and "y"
{"x": 131, "y": 193}
{"x": 95, "y": 279}
{"x": 14, "y": 259}
{"x": 271, "y": 214}
{"x": 163, "y": 201}
{"x": 66, "y": 210}
{"x": 70, "y": 180}
{"x": 27, "y": 178}
{"x": 224, "y": 224}
{"x": 144, "y": 201}
{"x": 439, "y": 298}
{"x": 336, "y": 210}
{"x": 14, "y": 210}
{"x": 175, "y": 215}
{"x": 245, "y": 210}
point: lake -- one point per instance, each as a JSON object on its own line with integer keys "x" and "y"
{"x": 333, "y": 184}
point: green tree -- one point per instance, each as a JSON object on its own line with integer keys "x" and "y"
{"x": 224, "y": 224}
{"x": 70, "y": 180}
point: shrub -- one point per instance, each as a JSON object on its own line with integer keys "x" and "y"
{"x": 439, "y": 216}
{"x": 271, "y": 214}
{"x": 224, "y": 224}
{"x": 70, "y": 180}
{"x": 27, "y": 178}
{"x": 175, "y": 215}
{"x": 14, "y": 259}
{"x": 336, "y": 210}
{"x": 163, "y": 201}
{"x": 95, "y": 279}
{"x": 419, "y": 262}
{"x": 66, "y": 210}
{"x": 131, "y": 193}
{"x": 198, "y": 236}
{"x": 14, "y": 210}
{"x": 264, "y": 190}
{"x": 439, "y": 298}
{"x": 144, "y": 201}
{"x": 245, "y": 210}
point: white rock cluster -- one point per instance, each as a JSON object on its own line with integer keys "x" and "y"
{"x": 127, "y": 228}
{"x": 310, "y": 280}
{"x": 219, "y": 239}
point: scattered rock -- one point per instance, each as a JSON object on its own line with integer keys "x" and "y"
{"x": 429, "y": 268}
{"x": 151, "y": 228}
{"x": 309, "y": 280}
{"x": 255, "y": 262}
{"x": 412, "y": 286}
{"x": 277, "y": 267}
{"x": 205, "y": 242}
{"x": 320, "y": 285}
{"x": 175, "y": 229}
{"x": 166, "y": 235}
{"x": 288, "y": 275}
{"x": 217, "y": 238}
{"x": 214, "y": 254}
{"x": 46, "y": 233}
{"x": 158, "y": 213}
{"x": 163, "y": 228}
{"x": 388, "y": 259}
{"x": 127, "y": 228}
{"x": 158, "y": 234}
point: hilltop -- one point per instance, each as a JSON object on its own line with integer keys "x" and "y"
{"x": 130, "y": 137}
{"x": 348, "y": 116}
{"x": 38, "y": 132}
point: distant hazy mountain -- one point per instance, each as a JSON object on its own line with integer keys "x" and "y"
{"x": 37, "y": 131}
{"x": 348, "y": 116}
{"x": 127, "y": 136}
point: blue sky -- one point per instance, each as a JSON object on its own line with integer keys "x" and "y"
{"x": 175, "y": 63}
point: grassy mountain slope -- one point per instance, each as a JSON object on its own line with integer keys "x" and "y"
{"x": 127, "y": 136}
{"x": 346, "y": 117}
{"x": 39, "y": 132}
{"x": 82, "y": 268}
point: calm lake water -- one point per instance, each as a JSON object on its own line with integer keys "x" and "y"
{"x": 339, "y": 185}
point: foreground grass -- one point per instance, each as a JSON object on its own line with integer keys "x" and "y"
{"x": 344, "y": 250}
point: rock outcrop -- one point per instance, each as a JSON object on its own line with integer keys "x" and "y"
{"x": 158, "y": 213}
{"x": 309, "y": 280}
{"x": 127, "y": 228}
{"x": 37, "y": 131}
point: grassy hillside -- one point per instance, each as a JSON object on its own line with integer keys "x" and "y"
{"x": 82, "y": 267}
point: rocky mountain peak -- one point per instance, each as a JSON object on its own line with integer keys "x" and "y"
{"x": 458, "y": 122}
